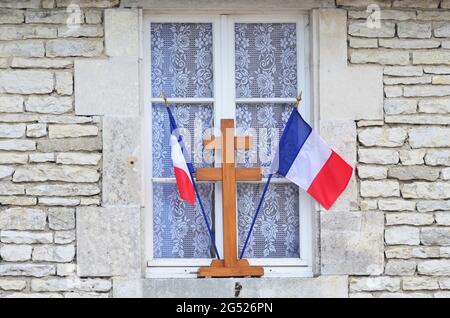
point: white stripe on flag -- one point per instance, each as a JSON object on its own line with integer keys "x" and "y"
{"x": 310, "y": 159}
{"x": 177, "y": 156}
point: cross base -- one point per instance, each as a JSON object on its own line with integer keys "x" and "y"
{"x": 240, "y": 269}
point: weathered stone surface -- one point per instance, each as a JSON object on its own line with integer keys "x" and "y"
{"x": 11, "y": 16}
{"x": 435, "y": 236}
{"x": 374, "y": 284}
{"x": 122, "y": 26}
{"x": 431, "y": 57}
{"x": 429, "y": 137}
{"x": 426, "y": 190}
{"x": 17, "y": 200}
{"x": 378, "y": 156}
{"x": 48, "y": 172}
{"x": 117, "y": 89}
{"x": 61, "y": 219}
{"x": 434, "y": 205}
{"x": 438, "y": 158}
{"x": 22, "y": 219}
{"x": 403, "y": 70}
{"x": 26, "y": 82}
{"x": 60, "y": 119}
{"x": 420, "y": 283}
{"x": 384, "y": 57}
{"x": 429, "y": 15}
{"x": 6, "y": 172}
{"x": 372, "y": 189}
{"x": 400, "y": 268}
{"x": 352, "y": 243}
{"x": 11, "y": 189}
{"x": 42, "y": 157}
{"x": 412, "y": 157}
{"x": 385, "y": 137}
{"x": 359, "y": 43}
{"x": 363, "y": 3}
{"x": 442, "y": 218}
{"x": 434, "y": 267}
{"x": 441, "y": 80}
{"x": 54, "y": 253}
{"x": 93, "y": 16}
{"x": 436, "y": 69}
{"x": 400, "y": 106}
{"x": 368, "y": 205}
{"x": 108, "y": 242}
{"x": 35, "y": 270}
{"x": 65, "y": 237}
{"x": 402, "y": 235}
{"x": 11, "y": 104}
{"x": 426, "y": 4}
{"x": 34, "y": 295}
{"x": 360, "y": 28}
{"x": 386, "y": 14}
{"x": 426, "y": 91}
{"x": 72, "y": 144}
{"x": 19, "y": 62}
{"x": 36, "y": 130}
{"x": 74, "y": 47}
{"x": 47, "y": 16}
{"x": 12, "y": 131}
{"x": 81, "y": 31}
{"x": 70, "y": 284}
{"x": 89, "y": 3}
{"x": 17, "y": 145}
{"x": 23, "y": 48}
{"x": 64, "y": 82}
{"x": 21, "y": 237}
{"x": 407, "y": 80}
{"x": 409, "y": 218}
{"x": 419, "y": 119}
{"x": 409, "y": 44}
{"x": 442, "y": 29}
{"x": 65, "y": 269}
{"x": 54, "y": 201}
{"x": 77, "y": 158}
{"x": 370, "y": 123}
{"x": 393, "y": 91}
{"x": 414, "y": 30}
{"x": 372, "y": 172}
{"x": 27, "y": 32}
{"x": 396, "y": 205}
{"x": 16, "y": 253}
{"x": 72, "y": 131}
{"x": 445, "y": 174}
{"x": 12, "y": 284}
{"x": 49, "y": 104}
{"x": 414, "y": 173}
{"x": 121, "y": 145}
{"x": 67, "y": 189}
{"x": 407, "y": 252}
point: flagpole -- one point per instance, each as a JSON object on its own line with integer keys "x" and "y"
{"x": 266, "y": 187}
{"x": 199, "y": 201}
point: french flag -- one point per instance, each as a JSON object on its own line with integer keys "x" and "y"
{"x": 306, "y": 160}
{"x": 183, "y": 168}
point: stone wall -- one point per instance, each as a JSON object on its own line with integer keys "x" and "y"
{"x": 403, "y": 160}
{"x": 50, "y": 159}
{"x": 70, "y": 192}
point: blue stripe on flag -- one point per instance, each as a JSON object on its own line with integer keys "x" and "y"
{"x": 294, "y": 136}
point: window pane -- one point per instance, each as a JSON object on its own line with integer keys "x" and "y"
{"x": 194, "y": 122}
{"x": 179, "y": 230}
{"x": 276, "y": 232}
{"x": 266, "y": 59}
{"x": 182, "y": 59}
{"x": 265, "y": 123}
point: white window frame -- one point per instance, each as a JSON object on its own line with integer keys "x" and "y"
{"x": 224, "y": 107}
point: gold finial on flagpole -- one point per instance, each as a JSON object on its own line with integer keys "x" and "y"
{"x": 165, "y": 99}
{"x": 299, "y": 99}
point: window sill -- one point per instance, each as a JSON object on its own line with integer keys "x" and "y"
{"x": 265, "y": 287}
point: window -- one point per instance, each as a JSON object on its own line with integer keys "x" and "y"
{"x": 245, "y": 67}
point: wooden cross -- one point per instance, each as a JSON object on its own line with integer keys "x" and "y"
{"x": 230, "y": 266}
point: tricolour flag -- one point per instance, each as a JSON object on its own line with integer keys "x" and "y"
{"x": 306, "y": 160}
{"x": 183, "y": 168}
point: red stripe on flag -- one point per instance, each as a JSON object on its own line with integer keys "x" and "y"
{"x": 331, "y": 181}
{"x": 185, "y": 186}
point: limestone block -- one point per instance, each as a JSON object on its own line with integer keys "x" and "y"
{"x": 414, "y": 173}
{"x": 89, "y": 3}
{"x": 414, "y": 30}
{"x": 420, "y": 283}
{"x": 429, "y": 137}
{"x": 403, "y": 70}
{"x": 70, "y": 284}
{"x": 412, "y": 157}
{"x": 117, "y": 87}
{"x": 435, "y": 236}
{"x": 122, "y": 33}
{"x": 20, "y": 62}
{"x": 407, "y": 252}
{"x": 122, "y": 161}
{"x": 49, "y": 104}
{"x": 433, "y": 205}
{"x": 74, "y": 47}
{"x": 431, "y": 57}
{"x": 352, "y": 243}
{"x": 372, "y": 172}
{"x": 11, "y": 16}
{"x": 27, "y": 48}
{"x": 81, "y": 31}
{"x": 54, "y": 201}
{"x": 378, "y": 156}
{"x": 400, "y": 106}
{"x": 36, "y": 131}
{"x": 78, "y": 158}
{"x": 35, "y": 270}
{"x": 23, "y": 237}
{"x": 42, "y": 157}
{"x": 65, "y": 237}
{"x": 426, "y": 190}
{"x": 11, "y": 189}
{"x": 70, "y": 144}
{"x": 409, "y": 44}
{"x": 396, "y": 205}
{"x": 383, "y": 137}
{"x": 23, "y": 219}
{"x": 17, "y": 200}
{"x": 6, "y": 172}
{"x": 16, "y": 253}
{"x": 26, "y": 82}
{"x": 373, "y": 189}
{"x": 360, "y": 28}
{"x": 11, "y": 104}
{"x": 400, "y": 268}
{"x": 12, "y": 131}
{"x": 374, "y": 284}
{"x": 402, "y": 235}
{"x": 409, "y": 218}
{"x": 72, "y": 131}
{"x": 61, "y": 218}
{"x": 12, "y": 284}
{"x": 64, "y": 83}
{"x": 47, "y": 16}
{"x": 108, "y": 241}
{"x": 54, "y": 253}
{"x": 442, "y": 218}
{"x": 48, "y": 172}
{"x": 438, "y": 158}
{"x": 426, "y": 4}
{"x": 442, "y": 29}
{"x": 383, "y": 57}
{"x": 434, "y": 267}
{"x": 26, "y": 32}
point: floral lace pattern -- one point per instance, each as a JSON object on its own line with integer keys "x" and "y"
{"x": 179, "y": 230}
{"x": 266, "y": 59}
{"x": 182, "y": 59}
{"x": 276, "y": 232}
